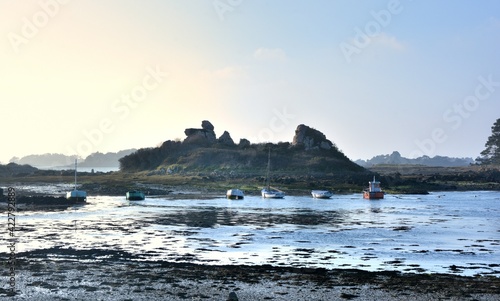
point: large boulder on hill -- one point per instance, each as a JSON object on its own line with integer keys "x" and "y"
{"x": 207, "y": 125}
{"x": 310, "y": 138}
{"x": 205, "y": 135}
{"x": 226, "y": 139}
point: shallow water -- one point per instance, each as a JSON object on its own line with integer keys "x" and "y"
{"x": 452, "y": 232}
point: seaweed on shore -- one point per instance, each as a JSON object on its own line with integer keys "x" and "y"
{"x": 128, "y": 267}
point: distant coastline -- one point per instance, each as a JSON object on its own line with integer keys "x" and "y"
{"x": 103, "y": 169}
{"x": 97, "y": 161}
{"x": 395, "y": 158}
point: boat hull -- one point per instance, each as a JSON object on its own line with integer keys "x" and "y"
{"x": 373, "y": 195}
{"x": 321, "y": 194}
{"x": 235, "y": 194}
{"x": 272, "y": 194}
{"x": 76, "y": 195}
{"x": 135, "y": 196}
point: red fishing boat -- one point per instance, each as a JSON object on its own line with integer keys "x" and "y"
{"x": 373, "y": 192}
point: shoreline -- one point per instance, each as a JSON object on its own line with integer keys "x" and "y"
{"x": 394, "y": 180}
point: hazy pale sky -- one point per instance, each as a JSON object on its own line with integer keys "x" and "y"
{"x": 418, "y": 77}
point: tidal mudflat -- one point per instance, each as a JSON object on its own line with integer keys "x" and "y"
{"x": 322, "y": 243}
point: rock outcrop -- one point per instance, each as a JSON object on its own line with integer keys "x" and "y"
{"x": 226, "y": 139}
{"x": 205, "y": 135}
{"x": 203, "y": 153}
{"x": 244, "y": 142}
{"x": 310, "y": 138}
{"x": 207, "y": 125}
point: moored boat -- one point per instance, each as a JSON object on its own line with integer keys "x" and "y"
{"x": 135, "y": 195}
{"x": 321, "y": 194}
{"x": 272, "y": 193}
{"x": 269, "y": 192}
{"x": 76, "y": 195}
{"x": 373, "y": 192}
{"x": 235, "y": 194}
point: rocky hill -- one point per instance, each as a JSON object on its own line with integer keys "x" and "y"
{"x": 202, "y": 150}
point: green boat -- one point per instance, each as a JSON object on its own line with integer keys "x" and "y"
{"x": 135, "y": 195}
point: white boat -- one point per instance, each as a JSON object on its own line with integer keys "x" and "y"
{"x": 321, "y": 194}
{"x": 272, "y": 193}
{"x": 75, "y": 194}
{"x": 235, "y": 194}
{"x": 269, "y": 192}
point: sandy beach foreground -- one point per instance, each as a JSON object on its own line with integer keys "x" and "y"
{"x": 55, "y": 274}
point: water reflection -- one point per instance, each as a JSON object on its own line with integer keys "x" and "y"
{"x": 424, "y": 233}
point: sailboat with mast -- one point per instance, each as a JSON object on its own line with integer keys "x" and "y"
{"x": 76, "y": 195}
{"x": 268, "y": 191}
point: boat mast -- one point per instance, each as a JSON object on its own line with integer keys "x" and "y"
{"x": 268, "y": 169}
{"x": 75, "y": 174}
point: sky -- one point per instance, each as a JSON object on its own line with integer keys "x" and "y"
{"x": 418, "y": 77}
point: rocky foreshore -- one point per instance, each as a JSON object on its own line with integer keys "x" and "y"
{"x": 41, "y": 199}
{"x": 68, "y": 274}
{"x": 40, "y": 202}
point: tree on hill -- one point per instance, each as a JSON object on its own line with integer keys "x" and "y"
{"x": 491, "y": 155}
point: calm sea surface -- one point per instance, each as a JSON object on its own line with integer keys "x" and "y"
{"x": 449, "y": 232}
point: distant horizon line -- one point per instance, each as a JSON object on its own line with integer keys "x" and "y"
{"x": 115, "y": 152}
